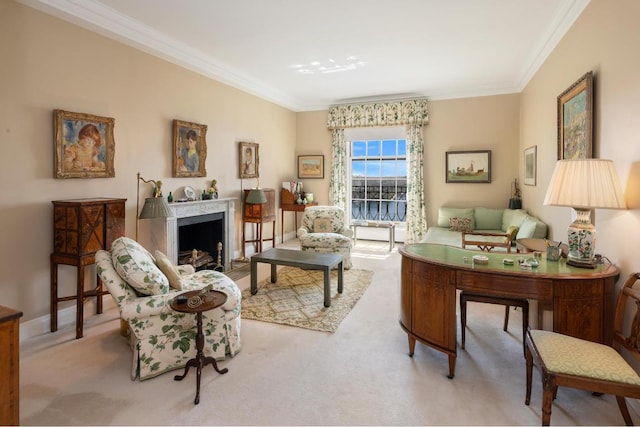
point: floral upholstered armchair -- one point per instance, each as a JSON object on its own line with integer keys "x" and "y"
{"x": 324, "y": 230}
{"x": 162, "y": 339}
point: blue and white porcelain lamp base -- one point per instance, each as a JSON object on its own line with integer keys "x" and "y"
{"x": 582, "y": 238}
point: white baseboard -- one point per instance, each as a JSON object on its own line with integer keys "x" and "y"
{"x": 66, "y": 318}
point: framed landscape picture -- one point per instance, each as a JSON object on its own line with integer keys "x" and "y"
{"x": 189, "y": 149}
{"x": 83, "y": 145}
{"x": 530, "y": 165}
{"x": 468, "y": 166}
{"x": 311, "y": 166}
{"x": 575, "y": 120}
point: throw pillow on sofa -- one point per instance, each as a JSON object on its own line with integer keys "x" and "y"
{"x": 137, "y": 267}
{"x": 460, "y": 224}
{"x": 445, "y": 214}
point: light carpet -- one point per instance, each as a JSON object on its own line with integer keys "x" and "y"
{"x": 297, "y": 299}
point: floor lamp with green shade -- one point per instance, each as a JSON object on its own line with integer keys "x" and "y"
{"x": 154, "y": 207}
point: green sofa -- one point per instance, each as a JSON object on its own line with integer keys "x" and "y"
{"x": 484, "y": 220}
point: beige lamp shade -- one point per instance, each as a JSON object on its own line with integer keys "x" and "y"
{"x": 584, "y": 185}
{"x": 155, "y": 207}
{"x": 587, "y": 184}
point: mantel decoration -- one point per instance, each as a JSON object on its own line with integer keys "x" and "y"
{"x": 575, "y": 120}
{"x": 83, "y": 145}
{"x": 212, "y": 191}
{"x": 249, "y": 160}
{"x": 311, "y": 166}
{"x": 468, "y": 166}
{"x": 515, "y": 202}
{"x": 189, "y": 149}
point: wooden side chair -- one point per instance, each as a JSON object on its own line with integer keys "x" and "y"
{"x": 566, "y": 361}
{"x": 466, "y": 296}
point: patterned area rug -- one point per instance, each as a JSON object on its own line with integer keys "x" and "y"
{"x": 297, "y": 299}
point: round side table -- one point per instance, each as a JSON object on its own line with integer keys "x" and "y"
{"x": 198, "y": 302}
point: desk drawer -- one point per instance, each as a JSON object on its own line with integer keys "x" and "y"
{"x": 507, "y": 286}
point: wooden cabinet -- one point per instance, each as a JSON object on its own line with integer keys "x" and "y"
{"x": 258, "y": 214}
{"x": 81, "y": 227}
{"x": 9, "y": 366}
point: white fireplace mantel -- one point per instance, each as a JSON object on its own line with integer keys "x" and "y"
{"x": 164, "y": 231}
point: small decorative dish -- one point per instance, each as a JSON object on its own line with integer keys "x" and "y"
{"x": 508, "y": 261}
{"x": 189, "y": 193}
{"x": 480, "y": 259}
{"x": 525, "y": 266}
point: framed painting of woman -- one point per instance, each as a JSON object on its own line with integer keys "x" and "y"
{"x": 189, "y": 149}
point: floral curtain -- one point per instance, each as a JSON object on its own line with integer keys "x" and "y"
{"x": 338, "y": 179}
{"x": 416, "y": 218}
{"x": 413, "y": 113}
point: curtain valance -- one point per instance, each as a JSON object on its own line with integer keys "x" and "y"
{"x": 393, "y": 113}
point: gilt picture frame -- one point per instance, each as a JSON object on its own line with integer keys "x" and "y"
{"x": 468, "y": 167}
{"x": 530, "y": 165}
{"x": 249, "y": 159}
{"x": 311, "y": 166}
{"x": 83, "y": 144}
{"x": 189, "y": 149}
{"x": 575, "y": 120}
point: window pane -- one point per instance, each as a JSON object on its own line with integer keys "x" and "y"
{"x": 357, "y": 168}
{"x": 389, "y": 147}
{"x": 402, "y": 147}
{"x": 373, "y": 148}
{"x": 359, "y": 149}
{"x": 389, "y": 167}
{"x": 373, "y": 168}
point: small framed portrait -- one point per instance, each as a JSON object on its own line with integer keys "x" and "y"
{"x": 311, "y": 166}
{"x": 83, "y": 145}
{"x": 249, "y": 160}
{"x": 189, "y": 149}
{"x": 575, "y": 120}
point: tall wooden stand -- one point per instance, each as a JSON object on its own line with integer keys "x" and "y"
{"x": 9, "y": 366}
{"x": 81, "y": 227}
{"x": 259, "y": 214}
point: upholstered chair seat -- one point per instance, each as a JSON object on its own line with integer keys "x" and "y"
{"x": 324, "y": 230}
{"x": 162, "y": 339}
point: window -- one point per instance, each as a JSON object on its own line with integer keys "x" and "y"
{"x": 378, "y": 179}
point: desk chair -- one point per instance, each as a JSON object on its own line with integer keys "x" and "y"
{"x": 597, "y": 368}
{"x": 466, "y": 296}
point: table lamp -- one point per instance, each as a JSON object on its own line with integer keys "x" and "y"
{"x": 154, "y": 207}
{"x": 584, "y": 185}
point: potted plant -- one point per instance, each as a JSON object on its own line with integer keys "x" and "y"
{"x": 515, "y": 202}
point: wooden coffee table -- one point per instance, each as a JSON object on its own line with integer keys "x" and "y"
{"x": 299, "y": 259}
{"x": 198, "y": 302}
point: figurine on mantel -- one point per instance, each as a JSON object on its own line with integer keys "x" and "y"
{"x": 212, "y": 191}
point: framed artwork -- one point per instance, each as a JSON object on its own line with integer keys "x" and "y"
{"x": 249, "y": 160}
{"x": 575, "y": 120}
{"x": 468, "y": 166}
{"x": 530, "y": 165}
{"x": 189, "y": 149}
{"x": 311, "y": 166}
{"x": 83, "y": 145}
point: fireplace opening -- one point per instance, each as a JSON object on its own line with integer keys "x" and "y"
{"x": 204, "y": 233}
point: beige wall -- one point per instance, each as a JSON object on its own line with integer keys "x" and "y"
{"x": 49, "y": 64}
{"x": 485, "y": 123}
{"x": 603, "y": 40}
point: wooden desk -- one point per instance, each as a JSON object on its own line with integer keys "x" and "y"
{"x": 288, "y": 204}
{"x": 259, "y": 214}
{"x": 582, "y": 299}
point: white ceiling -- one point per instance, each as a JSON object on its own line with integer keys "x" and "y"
{"x": 308, "y": 54}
